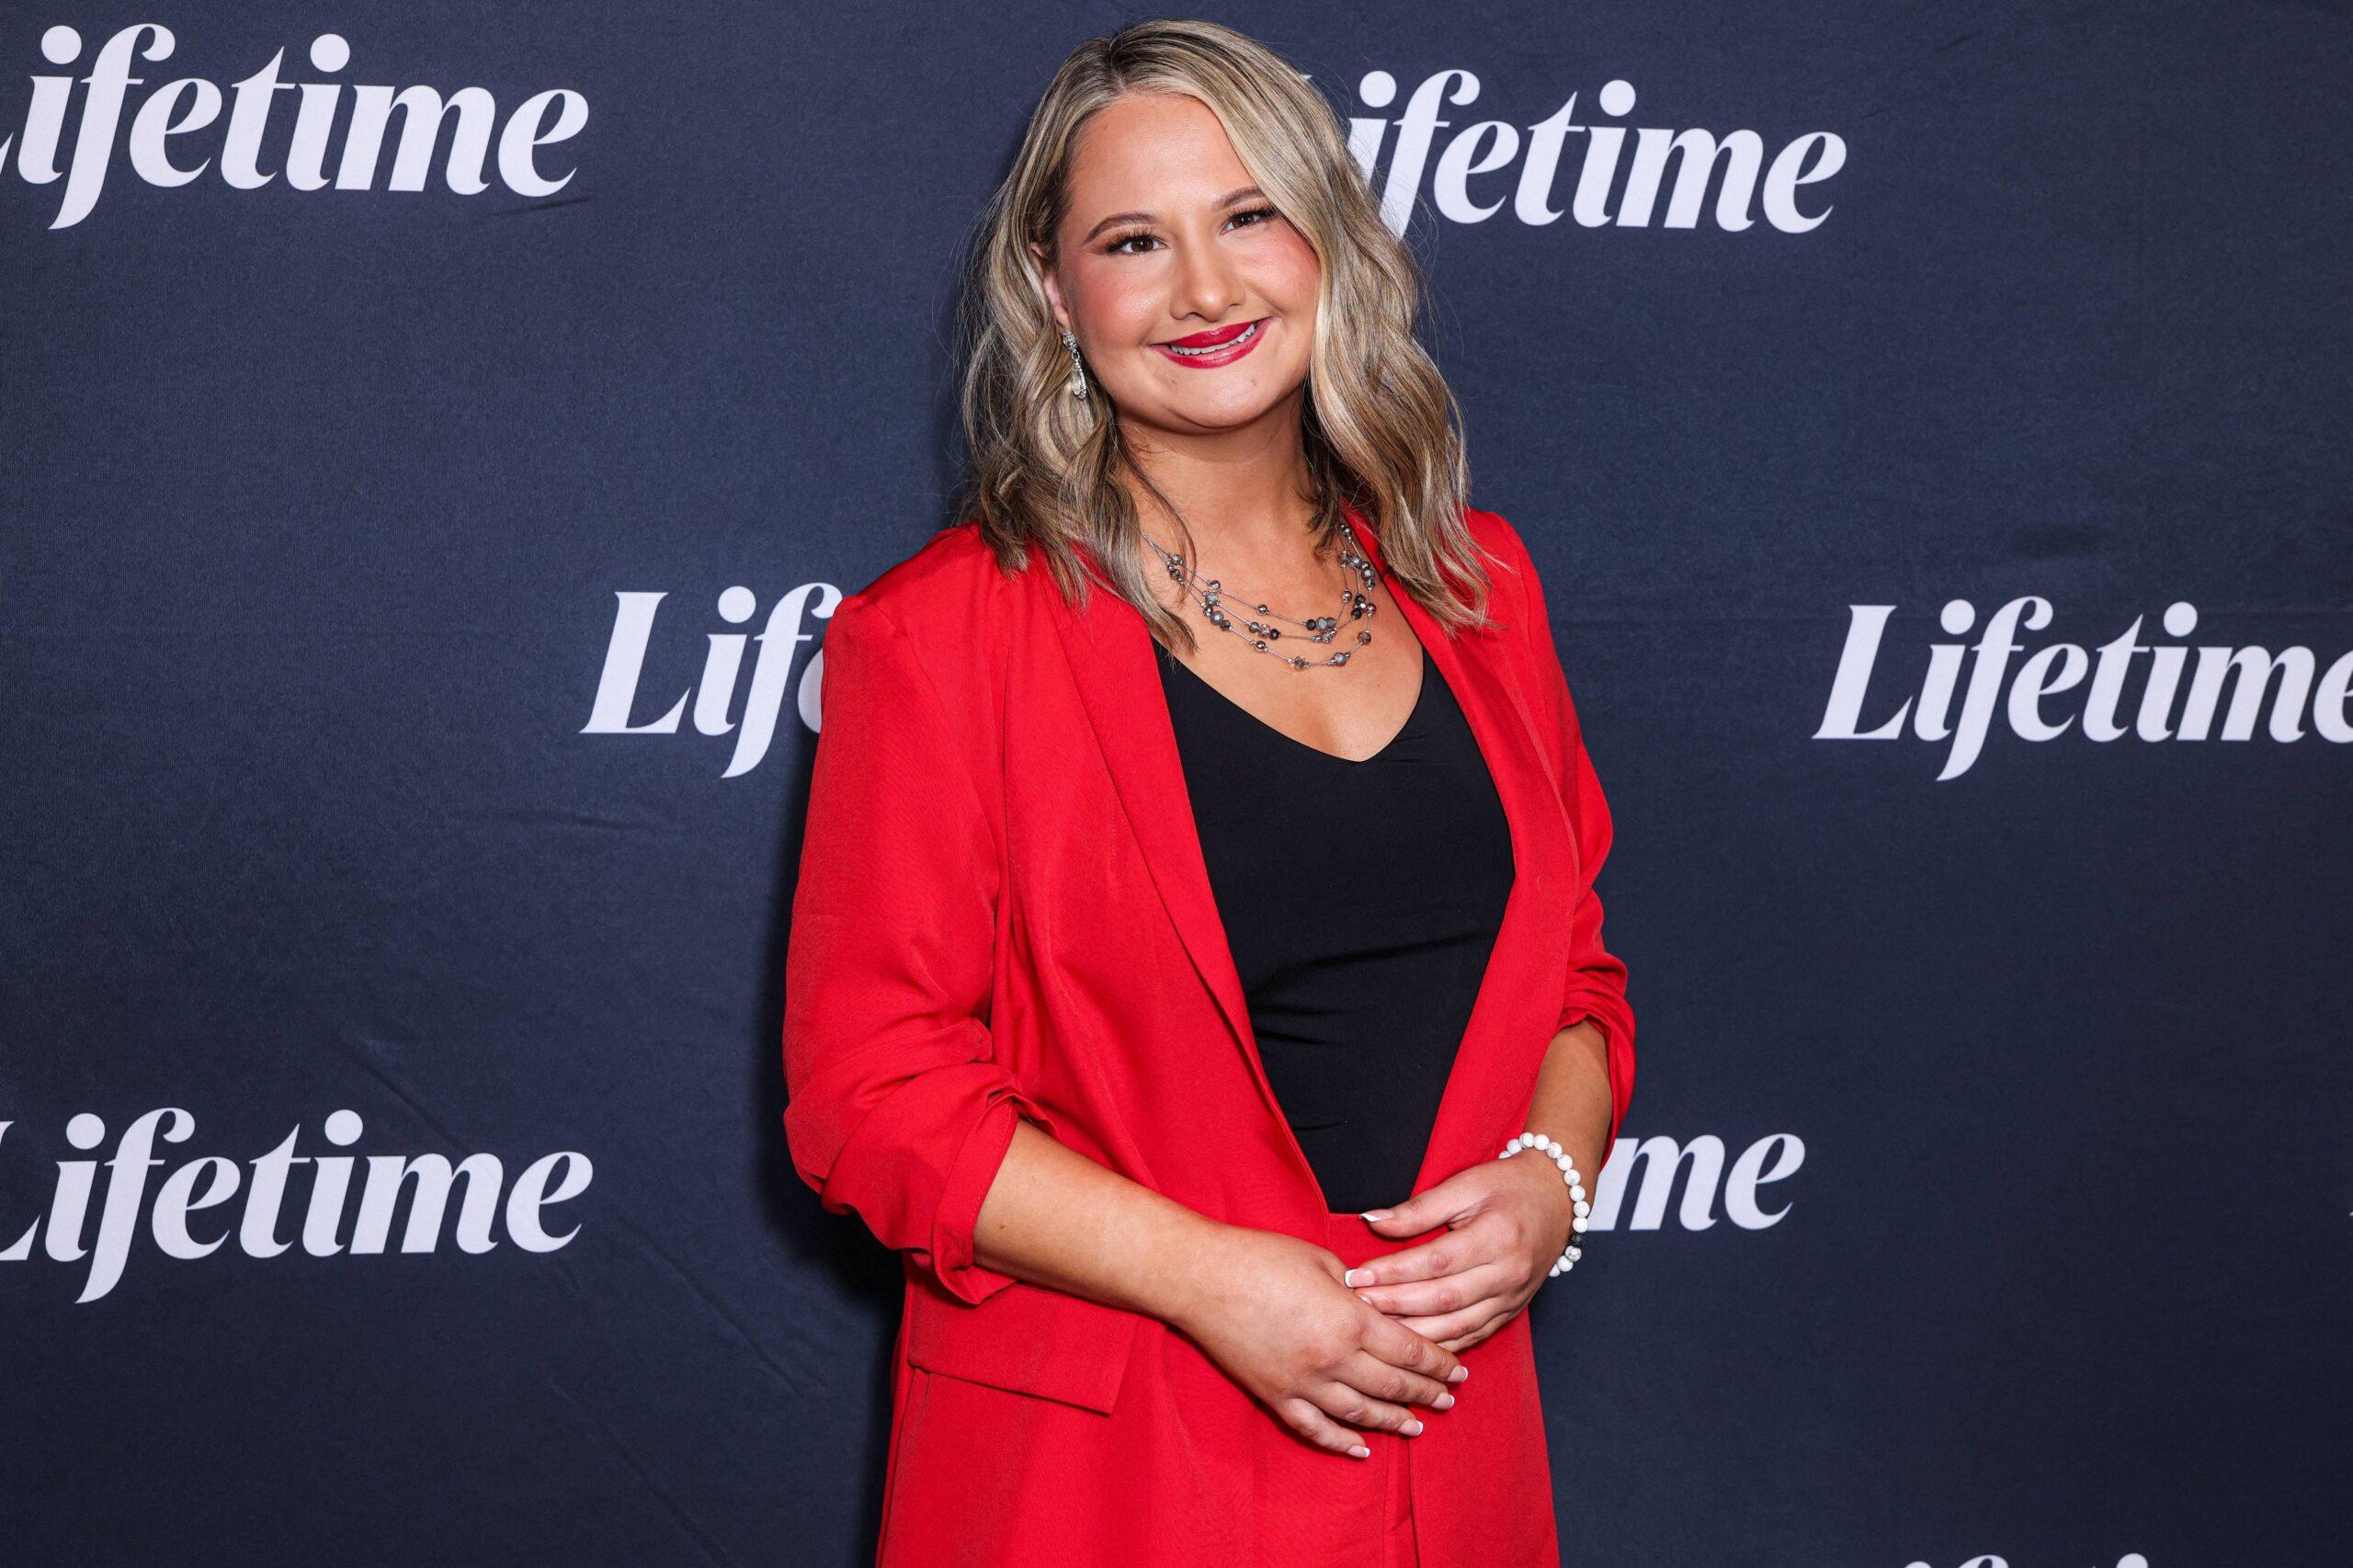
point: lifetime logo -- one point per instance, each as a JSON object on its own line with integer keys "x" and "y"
{"x": 1487, "y": 151}
{"x": 191, "y": 103}
{"x": 714, "y": 695}
{"x": 429, "y": 1178}
{"x": 1700, "y": 1162}
{"x": 2164, "y": 712}
{"x": 1988, "y": 1560}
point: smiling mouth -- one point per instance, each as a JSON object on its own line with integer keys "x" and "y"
{"x": 1223, "y": 345}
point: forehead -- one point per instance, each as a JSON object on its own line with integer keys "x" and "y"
{"x": 1153, "y": 151}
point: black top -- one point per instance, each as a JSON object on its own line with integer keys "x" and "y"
{"x": 1361, "y": 900}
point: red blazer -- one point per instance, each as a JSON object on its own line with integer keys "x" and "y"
{"x": 1002, "y": 910}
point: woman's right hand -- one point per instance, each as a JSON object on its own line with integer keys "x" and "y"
{"x": 1272, "y": 1311}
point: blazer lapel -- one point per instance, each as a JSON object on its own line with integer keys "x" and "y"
{"x": 1111, "y": 656}
{"x": 1493, "y": 1076}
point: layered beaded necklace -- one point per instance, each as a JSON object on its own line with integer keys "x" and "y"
{"x": 1257, "y": 627}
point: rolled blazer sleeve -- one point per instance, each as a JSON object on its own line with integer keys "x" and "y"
{"x": 1596, "y": 979}
{"x": 896, "y": 1109}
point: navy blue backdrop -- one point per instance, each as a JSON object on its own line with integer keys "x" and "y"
{"x": 1930, "y": 423}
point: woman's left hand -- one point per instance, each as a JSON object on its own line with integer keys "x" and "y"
{"x": 1507, "y": 1221}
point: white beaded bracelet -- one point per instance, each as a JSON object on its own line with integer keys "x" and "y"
{"x": 1538, "y": 1141}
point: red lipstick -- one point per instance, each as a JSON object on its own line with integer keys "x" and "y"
{"x": 1219, "y": 345}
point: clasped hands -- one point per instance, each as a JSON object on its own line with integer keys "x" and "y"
{"x": 1506, "y": 1221}
{"x": 1329, "y": 1348}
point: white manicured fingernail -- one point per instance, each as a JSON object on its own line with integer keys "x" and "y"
{"x": 1356, "y": 1277}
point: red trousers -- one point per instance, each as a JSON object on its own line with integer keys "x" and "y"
{"x": 1391, "y": 1544}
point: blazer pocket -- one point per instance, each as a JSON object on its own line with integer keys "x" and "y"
{"x": 1029, "y": 1339}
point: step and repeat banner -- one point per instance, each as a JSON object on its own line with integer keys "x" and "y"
{"x": 436, "y": 438}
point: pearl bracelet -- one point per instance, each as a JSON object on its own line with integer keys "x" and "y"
{"x": 1560, "y": 1157}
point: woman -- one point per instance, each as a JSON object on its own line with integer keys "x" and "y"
{"x": 1127, "y": 965}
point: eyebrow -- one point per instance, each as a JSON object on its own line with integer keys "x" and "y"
{"x": 1230, "y": 198}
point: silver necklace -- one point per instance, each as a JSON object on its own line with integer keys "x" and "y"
{"x": 1211, "y": 595}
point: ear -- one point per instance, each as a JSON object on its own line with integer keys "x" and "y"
{"x": 1053, "y": 285}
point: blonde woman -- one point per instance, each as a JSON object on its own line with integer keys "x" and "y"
{"x": 1195, "y": 969}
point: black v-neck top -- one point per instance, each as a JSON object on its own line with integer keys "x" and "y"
{"x": 1361, "y": 900}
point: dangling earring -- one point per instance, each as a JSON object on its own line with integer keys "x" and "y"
{"x": 1076, "y": 385}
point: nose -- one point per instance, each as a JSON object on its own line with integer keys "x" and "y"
{"x": 1206, "y": 284}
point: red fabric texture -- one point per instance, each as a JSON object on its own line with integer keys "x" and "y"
{"x": 1001, "y": 911}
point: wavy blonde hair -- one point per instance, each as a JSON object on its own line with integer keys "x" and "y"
{"x": 1380, "y": 427}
